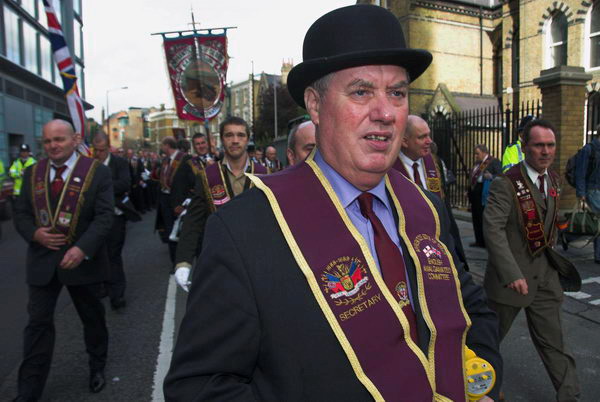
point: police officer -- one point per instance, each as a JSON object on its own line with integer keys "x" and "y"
{"x": 512, "y": 153}
{"x": 18, "y": 167}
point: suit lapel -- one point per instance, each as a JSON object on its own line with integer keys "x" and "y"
{"x": 551, "y": 201}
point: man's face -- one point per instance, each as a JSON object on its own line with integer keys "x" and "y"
{"x": 201, "y": 146}
{"x": 235, "y": 140}
{"x": 59, "y": 142}
{"x": 305, "y": 142}
{"x": 271, "y": 154}
{"x": 479, "y": 155}
{"x": 417, "y": 143}
{"x": 259, "y": 154}
{"x": 361, "y": 120}
{"x": 24, "y": 154}
{"x": 541, "y": 148}
{"x": 101, "y": 150}
{"x": 129, "y": 153}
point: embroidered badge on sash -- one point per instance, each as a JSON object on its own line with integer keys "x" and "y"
{"x": 434, "y": 184}
{"x": 219, "y": 194}
{"x": 402, "y": 291}
{"x": 434, "y": 267}
{"x": 345, "y": 280}
{"x": 44, "y": 218}
{"x": 64, "y": 218}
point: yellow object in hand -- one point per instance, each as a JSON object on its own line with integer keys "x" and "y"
{"x": 480, "y": 374}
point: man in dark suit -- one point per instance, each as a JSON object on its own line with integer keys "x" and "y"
{"x": 176, "y": 184}
{"x": 66, "y": 247}
{"x": 121, "y": 179}
{"x": 486, "y": 168}
{"x": 308, "y": 298}
{"x": 524, "y": 271}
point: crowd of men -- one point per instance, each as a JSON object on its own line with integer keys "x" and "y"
{"x": 341, "y": 277}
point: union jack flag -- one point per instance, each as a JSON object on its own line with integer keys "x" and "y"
{"x": 66, "y": 67}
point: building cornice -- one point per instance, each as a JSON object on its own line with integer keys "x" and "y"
{"x": 472, "y": 11}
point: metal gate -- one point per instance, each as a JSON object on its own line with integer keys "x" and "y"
{"x": 457, "y": 135}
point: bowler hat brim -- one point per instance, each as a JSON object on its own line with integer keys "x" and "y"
{"x": 415, "y": 61}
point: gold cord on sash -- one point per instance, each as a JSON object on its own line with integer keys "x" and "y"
{"x": 422, "y": 297}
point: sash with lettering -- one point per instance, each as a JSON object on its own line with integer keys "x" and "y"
{"x": 530, "y": 216}
{"x": 169, "y": 169}
{"x": 63, "y": 219}
{"x": 432, "y": 174}
{"x": 361, "y": 311}
{"x": 219, "y": 193}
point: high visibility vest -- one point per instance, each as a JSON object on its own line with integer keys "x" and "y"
{"x": 16, "y": 172}
{"x": 512, "y": 155}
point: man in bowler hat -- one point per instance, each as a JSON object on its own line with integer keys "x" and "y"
{"x": 328, "y": 297}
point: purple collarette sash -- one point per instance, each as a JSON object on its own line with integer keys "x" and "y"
{"x": 432, "y": 174}
{"x": 363, "y": 314}
{"x": 64, "y": 218}
{"x": 215, "y": 183}
{"x": 530, "y": 216}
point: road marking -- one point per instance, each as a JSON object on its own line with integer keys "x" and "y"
{"x": 591, "y": 280}
{"x": 165, "y": 350}
{"x": 578, "y": 295}
{"x": 595, "y": 302}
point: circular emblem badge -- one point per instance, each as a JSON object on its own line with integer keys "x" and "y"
{"x": 345, "y": 280}
{"x": 44, "y": 218}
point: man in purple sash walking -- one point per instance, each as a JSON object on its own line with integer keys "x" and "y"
{"x": 64, "y": 213}
{"x": 336, "y": 279}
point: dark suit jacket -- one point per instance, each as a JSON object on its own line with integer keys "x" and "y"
{"x": 494, "y": 167}
{"x": 92, "y": 228}
{"x": 253, "y": 330}
{"x": 119, "y": 169}
{"x": 183, "y": 183}
{"x": 192, "y": 232}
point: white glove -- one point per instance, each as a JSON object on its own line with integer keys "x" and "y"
{"x": 182, "y": 275}
{"x": 145, "y": 175}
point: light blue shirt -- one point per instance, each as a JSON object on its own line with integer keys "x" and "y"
{"x": 348, "y": 196}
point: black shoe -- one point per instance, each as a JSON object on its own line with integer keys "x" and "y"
{"x": 97, "y": 382}
{"x": 118, "y": 303}
{"x": 24, "y": 399}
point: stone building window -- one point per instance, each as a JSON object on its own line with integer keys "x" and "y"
{"x": 593, "y": 37}
{"x": 556, "y": 37}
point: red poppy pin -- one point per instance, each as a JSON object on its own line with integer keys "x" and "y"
{"x": 553, "y": 192}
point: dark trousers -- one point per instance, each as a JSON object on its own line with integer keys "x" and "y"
{"x": 116, "y": 283}
{"x": 39, "y": 334}
{"x": 168, "y": 219}
{"x": 545, "y": 328}
{"x": 477, "y": 212}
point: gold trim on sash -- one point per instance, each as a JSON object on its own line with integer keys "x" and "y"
{"x": 314, "y": 287}
{"x": 422, "y": 297}
{"x": 81, "y": 200}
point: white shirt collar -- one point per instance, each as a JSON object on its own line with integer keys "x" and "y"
{"x": 534, "y": 174}
{"x": 107, "y": 160}
{"x": 173, "y": 155}
{"x": 226, "y": 163}
{"x": 409, "y": 162}
{"x": 70, "y": 163}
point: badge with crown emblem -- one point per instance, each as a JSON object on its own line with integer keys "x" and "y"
{"x": 345, "y": 280}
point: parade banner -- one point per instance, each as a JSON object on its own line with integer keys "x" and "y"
{"x": 197, "y": 67}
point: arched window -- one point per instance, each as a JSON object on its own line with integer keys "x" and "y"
{"x": 594, "y": 36}
{"x": 556, "y": 41}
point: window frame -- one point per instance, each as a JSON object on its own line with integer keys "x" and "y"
{"x": 587, "y": 50}
{"x": 549, "y": 45}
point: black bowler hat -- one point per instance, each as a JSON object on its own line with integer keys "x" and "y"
{"x": 353, "y": 36}
{"x": 24, "y": 147}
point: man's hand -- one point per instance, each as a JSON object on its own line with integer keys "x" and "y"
{"x": 487, "y": 175}
{"x": 178, "y": 210}
{"x": 182, "y": 275}
{"x": 519, "y": 286}
{"x": 209, "y": 162}
{"x": 72, "y": 258}
{"x": 53, "y": 241}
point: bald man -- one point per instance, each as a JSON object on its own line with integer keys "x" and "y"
{"x": 66, "y": 234}
{"x": 301, "y": 141}
{"x": 419, "y": 164}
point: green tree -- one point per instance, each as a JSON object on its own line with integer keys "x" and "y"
{"x": 264, "y": 128}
